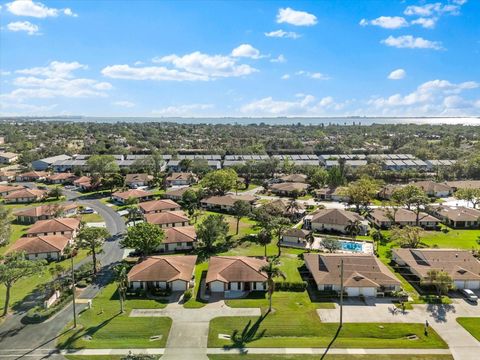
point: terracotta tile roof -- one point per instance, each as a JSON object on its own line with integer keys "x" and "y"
{"x": 26, "y": 193}
{"x": 458, "y": 213}
{"x": 295, "y": 232}
{"x": 283, "y": 205}
{"x": 10, "y": 188}
{"x": 34, "y": 174}
{"x": 359, "y": 270}
{"x": 133, "y": 193}
{"x": 164, "y": 268}
{"x": 180, "y": 234}
{"x": 289, "y": 186}
{"x": 61, "y": 176}
{"x": 45, "y": 210}
{"x": 177, "y": 191}
{"x": 83, "y": 180}
{"x": 300, "y": 178}
{"x": 166, "y": 217}
{"x": 401, "y": 215}
{"x": 159, "y": 205}
{"x": 335, "y": 216}
{"x": 228, "y": 200}
{"x": 464, "y": 184}
{"x": 54, "y": 225}
{"x": 459, "y": 264}
{"x": 430, "y": 186}
{"x": 40, "y": 244}
{"x": 130, "y": 178}
{"x": 235, "y": 268}
{"x": 179, "y": 176}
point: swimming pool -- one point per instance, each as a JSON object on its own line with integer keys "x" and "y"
{"x": 352, "y": 246}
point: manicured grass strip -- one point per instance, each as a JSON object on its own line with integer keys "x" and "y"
{"x": 332, "y": 357}
{"x": 95, "y": 217}
{"x": 472, "y": 325}
{"x": 104, "y": 327}
{"x": 194, "y": 302}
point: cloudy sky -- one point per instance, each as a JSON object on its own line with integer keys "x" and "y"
{"x": 255, "y": 58}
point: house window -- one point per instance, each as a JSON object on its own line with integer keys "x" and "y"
{"x": 328, "y": 287}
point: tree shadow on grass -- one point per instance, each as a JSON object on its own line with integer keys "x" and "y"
{"x": 249, "y": 333}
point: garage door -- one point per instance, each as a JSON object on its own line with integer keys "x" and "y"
{"x": 473, "y": 284}
{"x": 370, "y": 291}
{"x": 179, "y": 285}
{"x": 352, "y": 291}
{"x": 216, "y": 286}
{"x": 460, "y": 284}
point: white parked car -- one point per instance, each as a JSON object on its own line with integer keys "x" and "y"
{"x": 469, "y": 295}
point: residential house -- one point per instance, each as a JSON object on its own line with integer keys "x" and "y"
{"x": 44, "y": 164}
{"x": 61, "y": 178}
{"x": 68, "y": 227}
{"x": 464, "y": 184}
{"x": 299, "y": 178}
{"x": 386, "y": 192}
{"x": 295, "y": 237}
{"x": 179, "y": 239}
{"x": 287, "y": 207}
{"x": 363, "y": 275}
{"x": 45, "y": 212}
{"x": 25, "y": 196}
{"x": 335, "y": 220}
{"x": 289, "y": 189}
{"x": 458, "y": 216}
{"x": 137, "y": 180}
{"x": 167, "y": 219}
{"x": 156, "y": 206}
{"x": 31, "y": 176}
{"x": 460, "y": 265}
{"x": 176, "y": 193}
{"x": 8, "y": 157}
{"x": 84, "y": 183}
{"x": 384, "y": 218}
{"x": 434, "y": 189}
{"x": 49, "y": 247}
{"x": 163, "y": 272}
{"x": 225, "y": 202}
{"x": 7, "y": 175}
{"x": 180, "y": 179}
{"x": 235, "y": 273}
{"x": 331, "y": 194}
{"x": 8, "y": 189}
{"x": 122, "y": 196}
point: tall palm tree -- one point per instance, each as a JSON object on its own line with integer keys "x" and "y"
{"x": 377, "y": 236}
{"x": 272, "y": 271}
{"x": 292, "y": 207}
{"x": 353, "y": 228}
{"x": 264, "y": 238}
{"x": 309, "y": 238}
{"x": 121, "y": 278}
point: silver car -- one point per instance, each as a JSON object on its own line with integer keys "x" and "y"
{"x": 469, "y": 295}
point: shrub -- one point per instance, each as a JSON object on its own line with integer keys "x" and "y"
{"x": 82, "y": 284}
{"x": 39, "y": 314}
{"x": 298, "y": 286}
{"x": 187, "y": 295}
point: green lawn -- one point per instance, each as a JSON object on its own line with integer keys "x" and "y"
{"x": 295, "y": 323}
{"x": 251, "y": 186}
{"x": 95, "y": 218}
{"x": 110, "y": 329}
{"x": 471, "y": 324}
{"x": 17, "y": 231}
{"x": 332, "y": 357}
{"x": 193, "y": 303}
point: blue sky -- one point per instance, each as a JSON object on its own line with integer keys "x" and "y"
{"x": 255, "y": 58}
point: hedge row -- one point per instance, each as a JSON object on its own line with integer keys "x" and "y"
{"x": 291, "y": 286}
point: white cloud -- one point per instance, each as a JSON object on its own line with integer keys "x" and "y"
{"x": 397, "y": 74}
{"x": 435, "y": 97}
{"x": 283, "y": 34}
{"x": 386, "y": 22}
{"x": 432, "y": 9}
{"x": 35, "y": 9}
{"x": 28, "y": 27}
{"x": 294, "y": 17}
{"x": 55, "y": 80}
{"x": 312, "y": 75}
{"x": 246, "y": 50}
{"x": 183, "y": 110}
{"x": 125, "y": 104}
{"x": 279, "y": 59}
{"x": 410, "y": 42}
{"x": 427, "y": 23}
{"x": 285, "y": 77}
{"x": 159, "y": 73}
{"x": 304, "y": 104}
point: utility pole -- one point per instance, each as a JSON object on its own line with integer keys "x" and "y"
{"x": 73, "y": 292}
{"x": 341, "y": 293}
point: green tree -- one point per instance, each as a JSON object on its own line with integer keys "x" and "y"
{"x": 92, "y": 239}
{"x": 190, "y": 201}
{"x": 470, "y": 195}
{"x": 354, "y": 228}
{"x": 121, "y": 278}
{"x": 264, "y": 237}
{"x": 407, "y": 195}
{"x": 212, "y": 233}
{"x": 5, "y": 225}
{"x": 240, "y": 209}
{"x": 102, "y": 165}
{"x": 407, "y": 236}
{"x": 361, "y": 192}
{"x": 336, "y": 177}
{"x": 272, "y": 271}
{"x": 185, "y": 164}
{"x": 278, "y": 226}
{"x": 331, "y": 244}
{"x": 56, "y": 192}
{"x": 440, "y": 280}
{"x": 145, "y": 238}
{"x": 220, "y": 181}
{"x": 377, "y": 237}
{"x": 113, "y": 181}
{"x": 318, "y": 178}
{"x": 14, "y": 267}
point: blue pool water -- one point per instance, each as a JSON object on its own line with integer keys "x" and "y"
{"x": 351, "y": 246}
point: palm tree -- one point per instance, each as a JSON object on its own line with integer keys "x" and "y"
{"x": 292, "y": 207}
{"x": 121, "y": 278}
{"x": 377, "y": 236}
{"x": 309, "y": 238}
{"x": 92, "y": 239}
{"x": 353, "y": 228}
{"x": 272, "y": 271}
{"x": 133, "y": 213}
{"x": 264, "y": 238}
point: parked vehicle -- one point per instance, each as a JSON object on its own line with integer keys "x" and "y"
{"x": 86, "y": 210}
{"x": 469, "y": 295}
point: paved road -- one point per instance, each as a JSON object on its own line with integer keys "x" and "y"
{"x": 442, "y": 318}
{"x": 35, "y": 340}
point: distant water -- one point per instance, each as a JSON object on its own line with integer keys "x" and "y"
{"x": 276, "y": 120}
